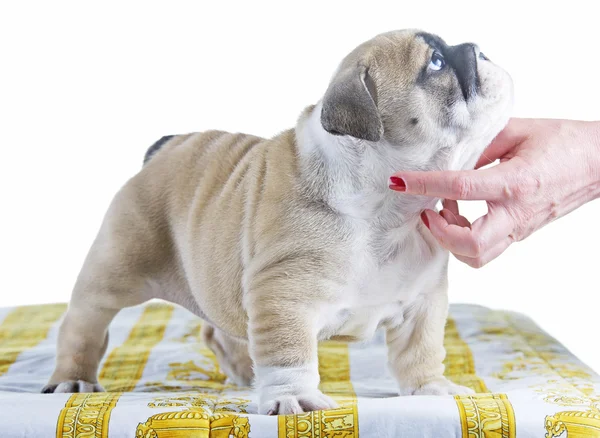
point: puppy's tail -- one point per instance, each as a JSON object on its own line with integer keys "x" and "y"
{"x": 156, "y": 147}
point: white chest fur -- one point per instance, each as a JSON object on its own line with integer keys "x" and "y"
{"x": 387, "y": 272}
{"x": 391, "y": 260}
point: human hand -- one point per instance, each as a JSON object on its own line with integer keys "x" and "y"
{"x": 547, "y": 169}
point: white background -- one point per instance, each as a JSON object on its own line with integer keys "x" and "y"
{"x": 86, "y": 88}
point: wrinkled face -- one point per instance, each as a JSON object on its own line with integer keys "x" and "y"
{"x": 434, "y": 105}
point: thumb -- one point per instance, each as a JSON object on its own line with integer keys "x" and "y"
{"x": 510, "y": 137}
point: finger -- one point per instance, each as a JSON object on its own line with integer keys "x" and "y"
{"x": 472, "y": 242}
{"x": 511, "y": 136}
{"x": 455, "y": 219}
{"x": 449, "y": 235}
{"x": 493, "y": 253}
{"x": 449, "y": 216}
{"x": 487, "y": 184}
{"x": 494, "y": 226}
{"x": 463, "y": 221}
{"x": 452, "y": 205}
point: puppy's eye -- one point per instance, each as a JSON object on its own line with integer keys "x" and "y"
{"x": 437, "y": 61}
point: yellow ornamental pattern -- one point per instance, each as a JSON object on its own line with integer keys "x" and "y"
{"x": 334, "y": 369}
{"x": 577, "y": 424}
{"x": 87, "y": 415}
{"x": 482, "y": 415}
{"x": 565, "y": 381}
{"x": 201, "y": 374}
{"x": 336, "y": 423}
{"x": 197, "y": 400}
{"x": 459, "y": 362}
{"x": 193, "y": 423}
{"x": 205, "y": 415}
{"x": 124, "y": 366}
{"x": 24, "y": 328}
{"x": 208, "y": 403}
{"x": 486, "y": 415}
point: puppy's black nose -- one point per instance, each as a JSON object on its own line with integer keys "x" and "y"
{"x": 463, "y": 59}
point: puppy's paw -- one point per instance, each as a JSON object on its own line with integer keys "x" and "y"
{"x": 308, "y": 401}
{"x": 72, "y": 386}
{"x": 241, "y": 376}
{"x": 239, "y": 372}
{"x": 441, "y": 386}
{"x": 231, "y": 353}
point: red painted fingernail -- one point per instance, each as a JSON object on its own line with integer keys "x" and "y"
{"x": 424, "y": 219}
{"x": 398, "y": 184}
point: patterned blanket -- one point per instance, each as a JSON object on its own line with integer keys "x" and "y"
{"x": 163, "y": 382}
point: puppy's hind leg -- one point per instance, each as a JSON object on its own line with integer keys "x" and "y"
{"x": 98, "y": 296}
{"x": 82, "y": 341}
{"x": 112, "y": 277}
{"x": 232, "y": 354}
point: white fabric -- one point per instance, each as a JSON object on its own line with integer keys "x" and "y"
{"x": 163, "y": 381}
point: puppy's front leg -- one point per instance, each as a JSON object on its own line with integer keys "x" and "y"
{"x": 282, "y": 334}
{"x": 416, "y": 347}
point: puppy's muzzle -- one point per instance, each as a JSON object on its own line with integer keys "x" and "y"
{"x": 463, "y": 59}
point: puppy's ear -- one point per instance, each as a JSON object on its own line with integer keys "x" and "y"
{"x": 350, "y": 105}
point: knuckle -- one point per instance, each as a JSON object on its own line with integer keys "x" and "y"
{"x": 478, "y": 263}
{"x": 462, "y": 187}
{"x": 519, "y": 189}
{"x": 532, "y": 184}
{"x": 509, "y": 190}
{"x": 518, "y": 235}
{"x": 554, "y": 210}
{"x": 419, "y": 186}
{"x": 477, "y": 246}
{"x": 515, "y": 189}
{"x": 527, "y": 184}
{"x": 524, "y": 223}
{"x": 475, "y": 262}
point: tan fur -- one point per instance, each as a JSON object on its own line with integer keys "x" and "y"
{"x": 265, "y": 240}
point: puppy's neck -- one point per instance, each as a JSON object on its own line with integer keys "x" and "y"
{"x": 352, "y": 175}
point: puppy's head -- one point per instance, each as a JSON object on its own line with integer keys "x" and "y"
{"x": 436, "y": 106}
